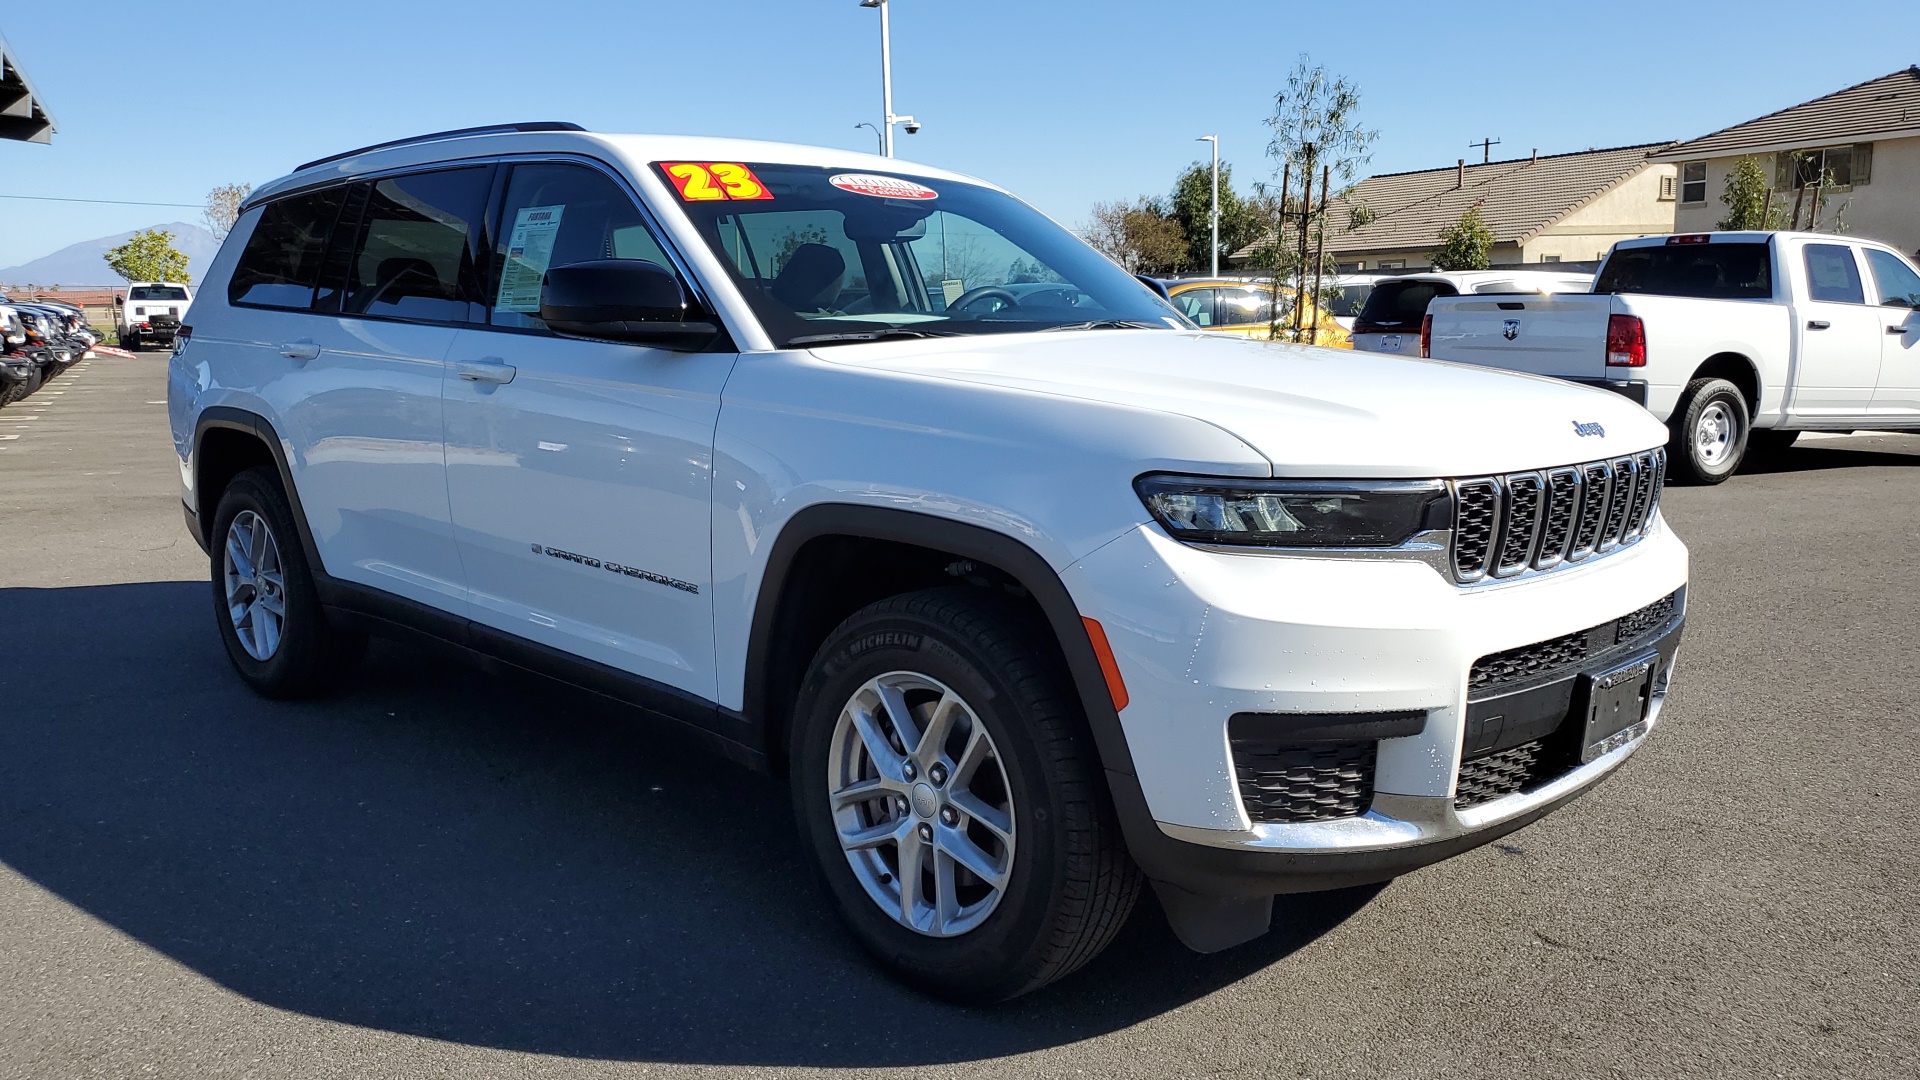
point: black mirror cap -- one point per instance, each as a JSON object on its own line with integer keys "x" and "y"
{"x": 1158, "y": 286}
{"x": 628, "y": 300}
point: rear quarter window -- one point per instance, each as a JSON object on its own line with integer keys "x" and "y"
{"x": 1701, "y": 271}
{"x": 281, "y": 262}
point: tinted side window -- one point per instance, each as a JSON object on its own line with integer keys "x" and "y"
{"x": 557, "y": 214}
{"x": 1832, "y": 275}
{"x": 1402, "y": 303}
{"x": 1240, "y": 307}
{"x": 1899, "y": 285}
{"x": 281, "y": 262}
{"x": 413, "y": 255}
{"x": 1742, "y": 271}
{"x": 1196, "y": 304}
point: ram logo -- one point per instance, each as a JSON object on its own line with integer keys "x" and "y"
{"x": 1510, "y": 329}
{"x": 1584, "y": 430}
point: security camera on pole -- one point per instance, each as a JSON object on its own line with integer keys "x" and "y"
{"x": 886, "y": 84}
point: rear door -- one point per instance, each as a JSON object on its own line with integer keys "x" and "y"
{"x": 1897, "y": 290}
{"x": 580, "y": 471}
{"x": 400, "y": 279}
{"x": 1837, "y": 334}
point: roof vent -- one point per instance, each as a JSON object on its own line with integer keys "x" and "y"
{"x": 1460, "y": 174}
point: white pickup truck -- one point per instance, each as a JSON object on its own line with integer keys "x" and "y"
{"x": 151, "y": 311}
{"x": 1738, "y": 340}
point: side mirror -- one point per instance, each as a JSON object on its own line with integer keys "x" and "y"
{"x": 627, "y": 300}
{"x": 1158, "y": 286}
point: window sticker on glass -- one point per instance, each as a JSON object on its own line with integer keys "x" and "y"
{"x": 714, "y": 181}
{"x": 529, "y": 249}
{"x": 884, "y": 187}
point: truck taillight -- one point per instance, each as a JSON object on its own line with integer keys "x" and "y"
{"x": 1626, "y": 341}
{"x": 1426, "y": 335}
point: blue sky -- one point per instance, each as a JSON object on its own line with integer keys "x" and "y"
{"x": 1066, "y": 103}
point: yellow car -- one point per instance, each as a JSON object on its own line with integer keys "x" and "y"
{"x": 1246, "y": 308}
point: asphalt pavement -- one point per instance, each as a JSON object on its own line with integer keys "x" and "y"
{"x": 450, "y": 871}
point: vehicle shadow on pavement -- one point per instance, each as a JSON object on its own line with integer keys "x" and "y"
{"x": 484, "y": 859}
{"x": 1816, "y": 457}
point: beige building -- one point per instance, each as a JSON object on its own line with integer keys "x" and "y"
{"x": 1865, "y": 141}
{"x": 1556, "y": 208}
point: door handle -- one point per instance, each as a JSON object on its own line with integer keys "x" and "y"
{"x": 299, "y": 350}
{"x": 1897, "y": 329}
{"x": 488, "y": 369}
{"x": 1818, "y": 324}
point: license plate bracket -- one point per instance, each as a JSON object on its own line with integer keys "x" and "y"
{"x": 1617, "y": 703}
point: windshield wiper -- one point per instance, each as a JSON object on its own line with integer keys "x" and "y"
{"x": 1104, "y": 324}
{"x": 851, "y": 336}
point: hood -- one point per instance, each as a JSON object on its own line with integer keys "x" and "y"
{"x": 1310, "y": 411}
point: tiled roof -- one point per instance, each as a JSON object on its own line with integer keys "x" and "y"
{"x": 1886, "y": 104}
{"x": 1517, "y": 198}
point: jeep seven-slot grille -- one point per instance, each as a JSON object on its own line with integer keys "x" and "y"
{"x": 1505, "y": 526}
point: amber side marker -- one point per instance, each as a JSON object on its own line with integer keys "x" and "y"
{"x": 1108, "y": 667}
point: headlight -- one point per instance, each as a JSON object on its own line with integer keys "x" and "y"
{"x": 1296, "y": 513}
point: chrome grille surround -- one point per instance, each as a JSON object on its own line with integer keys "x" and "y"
{"x": 1516, "y": 524}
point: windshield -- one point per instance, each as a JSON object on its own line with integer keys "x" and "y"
{"x": 1737, "y": 271}
{"x": 825, "y": 256}
{"x": 158, "y": 292}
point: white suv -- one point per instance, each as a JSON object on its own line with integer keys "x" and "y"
{"x": 1034, "y": 594}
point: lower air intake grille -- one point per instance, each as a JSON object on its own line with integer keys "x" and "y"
{"x": 1312, "y": 783}
{"x": 1527, "y": 661}
{"x": 1505, "y": 772}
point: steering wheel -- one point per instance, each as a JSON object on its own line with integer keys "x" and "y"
{"x": 984, "y": 292}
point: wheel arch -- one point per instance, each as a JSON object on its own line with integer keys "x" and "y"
{"x": 226, "y": 442}
{"x": 788, "y": 623}
{"x": 1736, "y": 368}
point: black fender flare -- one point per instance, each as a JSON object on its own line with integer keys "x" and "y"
{"x": 234, "y": 419}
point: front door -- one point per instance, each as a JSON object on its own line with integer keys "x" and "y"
{"x": 580, "y": 471}
{"x": 1838, "y": 335}
{"x": 1897, "y": 287}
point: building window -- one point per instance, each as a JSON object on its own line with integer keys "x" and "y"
{"x": 1693, "y": 182}
{"x": 1391, "y": 264}
{"x": 1828, "y": 166}
{"x": 1549, "y": 258}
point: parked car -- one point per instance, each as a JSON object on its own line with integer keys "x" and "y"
{"x": 1738, "y": 341}
{"x": 1390, "y": 320}
{"x": 1351, "y": 291}
{"x": 151, "y": 312}
{"x": 1244, "y": 308}
{"x": 1029, "y": 603}
{"x": 19, "y": 373}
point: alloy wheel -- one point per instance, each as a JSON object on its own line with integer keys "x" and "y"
{"x": 921, "y": 804}
{"x": 256, "y": 588}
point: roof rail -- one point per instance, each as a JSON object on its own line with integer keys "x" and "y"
{"x": 487, "y": 129}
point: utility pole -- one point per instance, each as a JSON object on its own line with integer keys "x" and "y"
{"x": 1214, "y": 250}
{"x": 1486, "y": 148}
{"x": 888, "y": 119}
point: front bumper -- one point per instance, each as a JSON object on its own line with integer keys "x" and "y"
{"x": 1200, "y": 635}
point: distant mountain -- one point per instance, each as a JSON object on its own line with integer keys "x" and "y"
{"x": 85, "y": 264}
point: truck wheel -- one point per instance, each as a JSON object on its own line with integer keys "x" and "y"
{"x": 1710, "y": 432}
{"x": 264, "y": 601}
{"x": 950, "y": 800}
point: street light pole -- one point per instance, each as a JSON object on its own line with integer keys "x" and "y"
{"x": 1214, "y": 250}
{"x": 876, "y": 134}
{"x": 888, "y": 119}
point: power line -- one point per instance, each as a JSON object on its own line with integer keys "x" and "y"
{"x": 105, "y": 202}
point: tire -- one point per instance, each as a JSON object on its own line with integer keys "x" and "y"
{"x": 131, "y": 343}
{"x": 1709, "y": 432}
{"x": 1067, "y": 883}
{"x": 297, "y": 653}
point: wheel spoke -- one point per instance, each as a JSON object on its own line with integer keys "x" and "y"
{"x": 992, "y": 817}
{"x": 272, "y": 604}
{"x": 968, "y": 854}
{"x": 912, "y": 850}
{"x": 266, "y": 631}
{"x": 876, "y": 835}
{"x": 946, "y": 894}
{"x": 237, "y": 560}
{"x": 863, "y": 790}
{"x": 934, "y": 739}
{"x": 900, "y": 715}
{"x": 256, "y": 545}
{"x": 971, "y": 758}
{"x": 886, "y": 759}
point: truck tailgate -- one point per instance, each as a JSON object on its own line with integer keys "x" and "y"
{"x": 1559, "y": 334}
